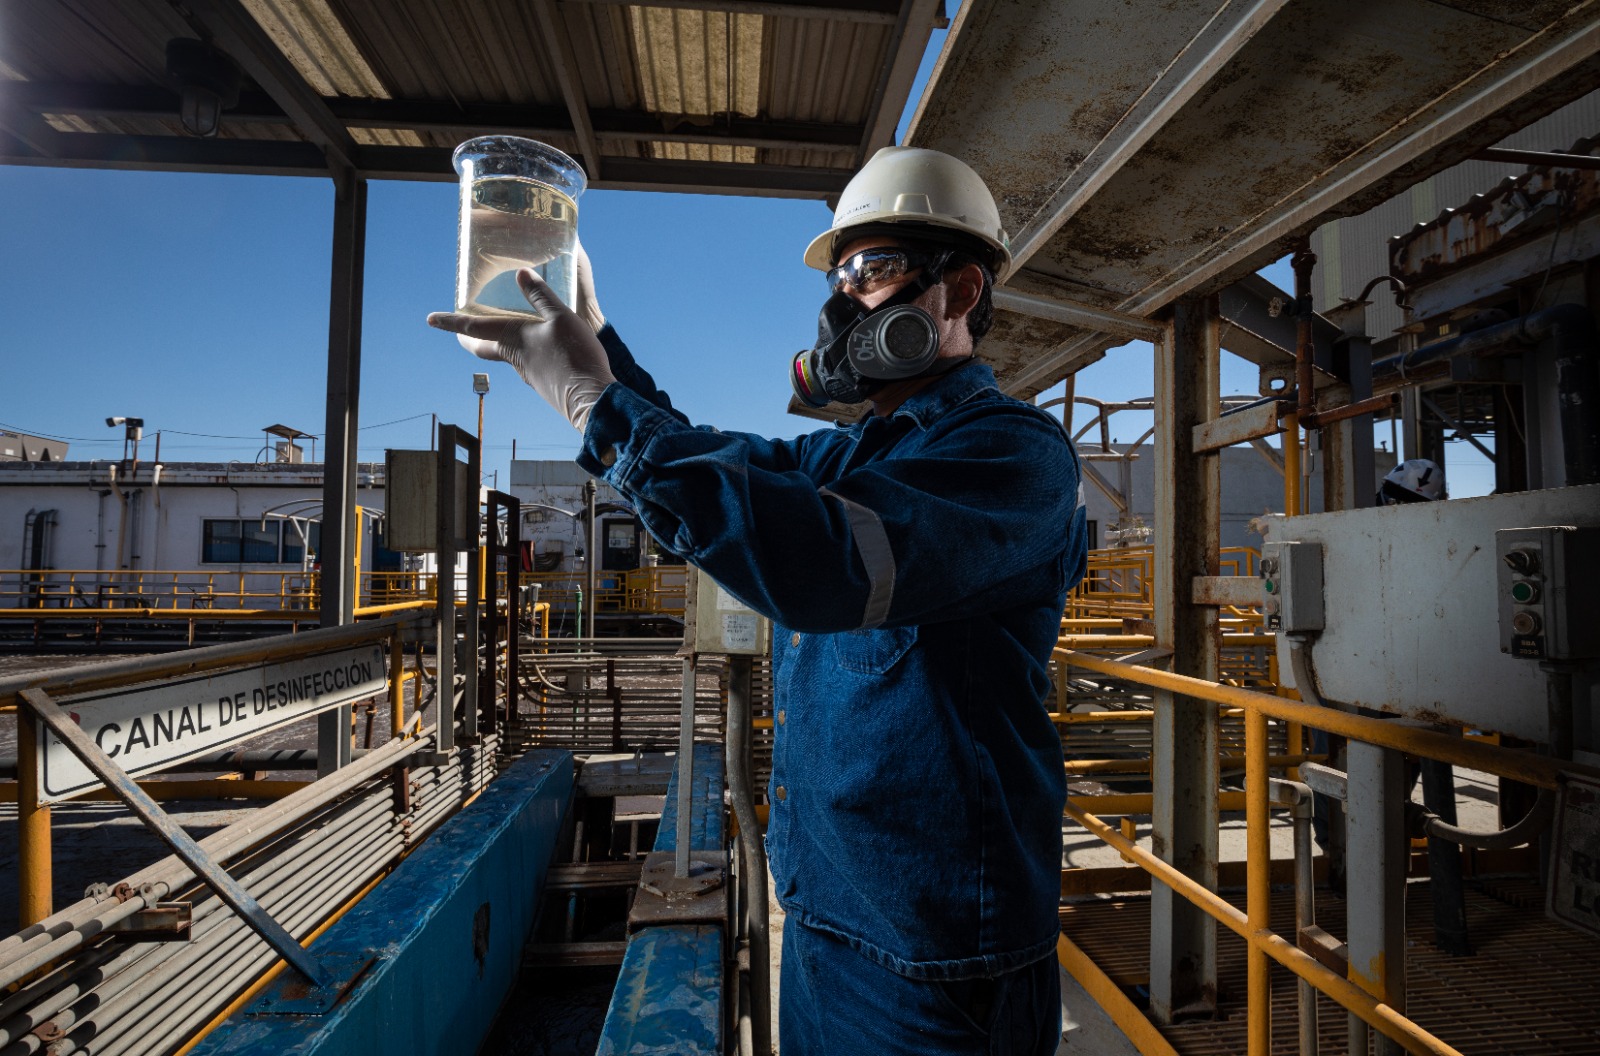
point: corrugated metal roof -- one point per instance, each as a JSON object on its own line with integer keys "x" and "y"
{"x": 737, "y": 96}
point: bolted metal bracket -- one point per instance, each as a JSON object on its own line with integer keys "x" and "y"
{"x": 163, "y": 922}
{"x": 701, "y": 897}
{"x": 294, "y": 996}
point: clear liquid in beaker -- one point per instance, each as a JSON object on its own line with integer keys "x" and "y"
{"x": 512, "y": 222}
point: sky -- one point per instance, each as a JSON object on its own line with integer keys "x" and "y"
{"x": 199, "y": 303}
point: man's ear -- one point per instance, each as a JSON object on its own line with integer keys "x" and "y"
{"x": 964, "y": 286}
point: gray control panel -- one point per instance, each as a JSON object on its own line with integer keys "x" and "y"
{"x": 1549, "y": 585}
{"x": 1291, "y": 586}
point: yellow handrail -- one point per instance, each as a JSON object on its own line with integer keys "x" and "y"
{"x": 1254, "y": 923}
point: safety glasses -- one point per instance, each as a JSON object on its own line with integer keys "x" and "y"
{"x": 873, "y": 269}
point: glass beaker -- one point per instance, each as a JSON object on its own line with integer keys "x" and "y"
{"x": 518, "y": 209}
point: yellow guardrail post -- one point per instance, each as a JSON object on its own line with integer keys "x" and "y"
{"x": 1258, "y": 884}
{"x": 1291, "y": 465}
{"x": 397, "y": 685}
{"x": 34, "y": 879}
{"x": 1368, "y": 1003}
{"x": 1354, "y": 999}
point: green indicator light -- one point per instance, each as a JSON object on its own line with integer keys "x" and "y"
{"x": 1271, "y": 587}
{"x": 1523, "y": 593}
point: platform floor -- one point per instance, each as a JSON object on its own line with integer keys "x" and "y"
{"x": 1531, "y": 989}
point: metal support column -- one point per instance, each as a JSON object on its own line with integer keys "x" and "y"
{"x": 1348, "y": 469}
{"x": 1183, "y": 938}
{"x": 457, "y": 530}
{"x": 1377, "y": 849}
{"x": 509, "y": 549}
{"x": 753, "y": 858}
{"x": 339, "y": 523}
{"x": 591, "y": 560}
{"x": 471, "y": 541}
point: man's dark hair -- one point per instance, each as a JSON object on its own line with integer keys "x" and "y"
{"x": 981, "y": 319}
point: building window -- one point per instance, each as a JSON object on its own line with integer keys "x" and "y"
{"x": 246, "y": 542}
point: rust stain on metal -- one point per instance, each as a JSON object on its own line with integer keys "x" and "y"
{"x": 1520, "y": 209}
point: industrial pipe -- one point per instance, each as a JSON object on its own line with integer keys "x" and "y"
{"x": 1570, "y": 333}
{"x": 1298, "y": 796}
{"x": 1427, "y": 823}
{"x": 1543, "y": 811}
{"x": 51, "y": 939}
{"x": 1304, "y": 262}
{"x": 753, "y": 854}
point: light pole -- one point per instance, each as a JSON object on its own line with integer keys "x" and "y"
{"x": 480, "y": 385}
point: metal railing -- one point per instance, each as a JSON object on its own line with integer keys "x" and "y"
{"x": 267, "y": 595}
{"x": 1119, "y": 583}
{"x": 304, "y": 858}
{"x": 1253, "y": 924}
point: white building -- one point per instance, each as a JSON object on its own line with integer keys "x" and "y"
{"x": 92, "y": 534}
{"x": 552, "y": 494}
{"x": 1251, "y": 486}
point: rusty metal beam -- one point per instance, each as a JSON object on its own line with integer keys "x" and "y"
{"x": 1238, "y": 591}
{"x": 559, "y": 49}
{"x": 1552, "y": 67}
{"x": 1248, "y": 423}
{"x": 874, "y": 12}
{"x": 1075, "y": 314}
{"x": 1551, "y": 158}
{"x": 907, "y": 41}
{"x": 1217, "y": 42}
{"x": 276, "y": 158}
{"x": 238, "y": 33}
{"x": 119, "y": 101}
{"x": 1184, "y": 761}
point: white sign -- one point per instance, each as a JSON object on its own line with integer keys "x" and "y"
{"x": 1575, "y": 877}
{"x": 723, "y": 623}
{"x": 151, "y": 727}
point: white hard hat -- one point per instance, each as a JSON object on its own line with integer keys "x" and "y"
{"x": 1414, "y": 480}
{"x": 918, "y": 188}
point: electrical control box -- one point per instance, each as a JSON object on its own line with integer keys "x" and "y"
{"x": 1548, "y": 587}
{"x": 1291, "y": 586}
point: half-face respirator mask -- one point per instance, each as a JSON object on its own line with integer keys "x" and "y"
{"x": 859, "y": 349}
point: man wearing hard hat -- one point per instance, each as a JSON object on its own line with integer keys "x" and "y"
{"x": 915, "y": 565}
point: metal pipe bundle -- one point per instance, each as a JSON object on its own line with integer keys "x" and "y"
{"x": 303, "y": 858}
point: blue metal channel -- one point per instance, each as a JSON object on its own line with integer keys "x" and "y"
{"x": 669, "y": 995}
{"x": 435, "y": 948}
{"x": 707, "y": 822}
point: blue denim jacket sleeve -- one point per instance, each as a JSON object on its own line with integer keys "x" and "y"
{"x": 627, "y": 371}
{"x": 820, "y": 535}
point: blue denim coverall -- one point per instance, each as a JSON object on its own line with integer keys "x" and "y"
{"x": 915, "y": 568}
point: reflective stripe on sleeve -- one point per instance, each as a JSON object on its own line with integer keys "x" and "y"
{"x": 872, "y": 543}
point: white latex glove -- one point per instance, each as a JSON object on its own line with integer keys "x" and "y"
{"x": 556, "y": 352}
{"x": 588, "y": 305}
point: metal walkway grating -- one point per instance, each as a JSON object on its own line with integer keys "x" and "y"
{"x": 1531, "y": 989}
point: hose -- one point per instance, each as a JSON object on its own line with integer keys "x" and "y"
{"x": 1424, "y": 821}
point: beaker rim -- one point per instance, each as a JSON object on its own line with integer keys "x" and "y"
{"x": 554, "y": 165}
